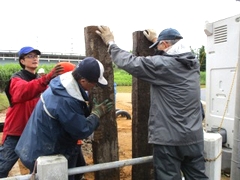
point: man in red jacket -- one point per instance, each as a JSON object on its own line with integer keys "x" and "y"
{"x": 23, "y": 92}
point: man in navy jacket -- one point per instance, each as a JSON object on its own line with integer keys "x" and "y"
{"x": 62, "y": 116}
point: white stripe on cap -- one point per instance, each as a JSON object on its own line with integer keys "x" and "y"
{"x": 101, "y": 79}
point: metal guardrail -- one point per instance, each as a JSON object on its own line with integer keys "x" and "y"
{"x": 93, "y": 168}
{"x": 21, "y": 177}
{"x": 109, "y": 165}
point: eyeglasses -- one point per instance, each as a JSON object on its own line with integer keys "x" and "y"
{"x": 31, "y": 56}
{"x": 160, "y": 42}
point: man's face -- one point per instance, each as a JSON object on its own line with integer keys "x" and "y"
{"x": 162, "y": 45}
{"x": 30, "y": 60}
{"x": 86, "y": 84}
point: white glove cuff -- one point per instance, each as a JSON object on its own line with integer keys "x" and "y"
{"x": 109, "y": 45}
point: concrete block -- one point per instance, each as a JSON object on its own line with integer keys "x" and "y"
{"x": 213, "y": 155}
{"x": 52, "y": 168}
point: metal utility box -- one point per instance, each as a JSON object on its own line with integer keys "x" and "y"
{"x": 222, "y": 52}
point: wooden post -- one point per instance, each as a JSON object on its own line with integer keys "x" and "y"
{"x": 140, "y": 113}
{"x": 105, "y": 144}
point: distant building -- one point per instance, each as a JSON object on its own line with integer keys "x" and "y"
{"x": 7, "y": 57}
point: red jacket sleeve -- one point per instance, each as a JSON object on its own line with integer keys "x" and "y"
{"x": 22, "y": 90}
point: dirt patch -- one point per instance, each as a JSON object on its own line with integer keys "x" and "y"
{"x": 124, "y": 140}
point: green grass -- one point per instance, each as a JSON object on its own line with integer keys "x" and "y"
{"x": 4, "y": 102}
{"x": 202, "y": 78}
{"x": 124, "y": 89}
{"x": 122, "y": 78}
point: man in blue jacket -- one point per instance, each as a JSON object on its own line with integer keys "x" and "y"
{"x": 62, "y": 116}
{"x": 175, "y": 118}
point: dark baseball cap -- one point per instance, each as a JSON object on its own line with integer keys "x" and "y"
{"x": 167, "y": 34}
{"x": 28, "y": 49}
{"x": 92, "y": 69}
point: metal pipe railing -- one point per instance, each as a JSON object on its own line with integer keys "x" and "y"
{"x": 22, "y": 177}
{"x": 96, "y": 167}
{"x": 109, "y": 165}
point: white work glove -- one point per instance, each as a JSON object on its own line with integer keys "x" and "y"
{"x": 150, "y": 34}
{"x": 105, "y": 33}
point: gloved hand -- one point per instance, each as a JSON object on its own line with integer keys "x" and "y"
{"x": 57, "y": 70}
{"x": 150, "y": 35}
{"x": 105, "y": 33}
{"x": 100, "y": 109}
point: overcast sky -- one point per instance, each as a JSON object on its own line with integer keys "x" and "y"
{"x": 58, "y": 25}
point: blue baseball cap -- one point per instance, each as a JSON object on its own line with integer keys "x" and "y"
{"x": 28, "y": 49}
{"x": 92, "y": 69}
{"x": 167, "y": 34}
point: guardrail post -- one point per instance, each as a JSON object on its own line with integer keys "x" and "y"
{"x": 213, "y": 155}
{"x": 52, "y": 168}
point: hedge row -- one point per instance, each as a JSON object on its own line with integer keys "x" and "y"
{"x": 7, "y": 70}
{"x": 121, "y": 77}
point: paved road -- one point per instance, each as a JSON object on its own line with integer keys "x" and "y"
{"x": 203, "y": 94}
{"x": 121, "y": 95}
